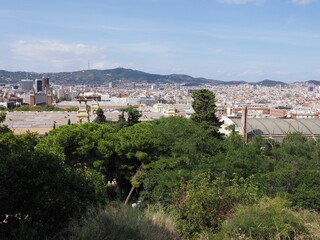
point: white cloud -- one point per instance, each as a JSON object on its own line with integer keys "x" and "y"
{"x": 51, "y": 50}
{"x": 239, "y": 1}
{"x": 302, "y": 2}
{"x": 58, "y": 56}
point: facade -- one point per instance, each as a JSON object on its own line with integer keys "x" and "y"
{"x": 38, "y": 85}
{"x": 45, "y": 83}
{"x": 26, "y": 84}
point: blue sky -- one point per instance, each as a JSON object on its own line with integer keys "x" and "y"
{"x": 247, "y": 40}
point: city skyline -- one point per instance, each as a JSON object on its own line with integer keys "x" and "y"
{"x": 248, "y": 40}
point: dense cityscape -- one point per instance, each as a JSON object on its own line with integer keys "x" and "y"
{"x": 285, "y": 101}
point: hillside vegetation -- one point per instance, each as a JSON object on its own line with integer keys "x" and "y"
{"x": 193, "y": 183}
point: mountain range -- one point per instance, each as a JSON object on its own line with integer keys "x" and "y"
{"x": 100, "y": 77}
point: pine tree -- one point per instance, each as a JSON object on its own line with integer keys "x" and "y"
{"x": 204, "y": 107}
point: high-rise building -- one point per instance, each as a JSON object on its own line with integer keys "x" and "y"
{"x": 26, "y": 84}
{"x": 45, "y": 83}
{"x": 38, "y": 85}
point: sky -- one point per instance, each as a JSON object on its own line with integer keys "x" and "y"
{"x": 248, "y": 40}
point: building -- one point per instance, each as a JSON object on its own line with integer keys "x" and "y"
{"x": 82, "y": 114}
{"x": 272, "y": 128}
{"x": 45, "y": 83}
{"x": 26, "y": 84}
{"x": 38, "y": 85}
{"x": 38, "y": 98}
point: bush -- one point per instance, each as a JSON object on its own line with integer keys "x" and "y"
{"x": 39, "y": 194}
{"x": 299, "y": 186}
{"x": 206, "y": 203}
{"x": 118, "y": 222}
{"x": 269, "y": 219}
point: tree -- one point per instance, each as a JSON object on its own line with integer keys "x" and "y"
{"x": 82, "y": 144}
{"x": 101, "y": 118}
{"x": 205, "y": 111}
{"x": 121, "y": 120}
{"x": 40, "y": 194}
{"x": 2, "y": 116}
{"x": 133, "y": 116}
{"x": 3, "y": 128}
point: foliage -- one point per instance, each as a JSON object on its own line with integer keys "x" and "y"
{"x": 81, "y": 144}
{"x": 101, "y": 118}
{"x": 206, "y": 202}
{"x": 180, "y": 149}
{"x": 297, "y": 151}
{"x": 168, "y": 161}
{"x": 3, "y": 128}
{"x": 119, "y": 223}
{"x": 268, "y": 219}
{"x": 121, "y": 121}
{"x": 133, "y": 116}
{"x": 39, "y": 194}
{"x": 204, "y": 107}
{"x": 245, "y": 160}
{"x": 2, "y": 116}
{"x": 17, "y": 144}
{"x": 299, "y": 186}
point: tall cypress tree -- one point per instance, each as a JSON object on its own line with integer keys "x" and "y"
{"x": 204, "y": 106}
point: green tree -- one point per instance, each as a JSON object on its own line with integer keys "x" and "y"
{"x": 101, "y": 118}
{"x": 204, "y": 107}
{"x": 3, "y": 128}
{"x": 2, "y": 116}
{"x": 82, "y": 144}
{"x": 133, "y": 116}
{"x": 17, "y": 144}
{"x": 121, "y": 121}
{"x": 39, "y": 194}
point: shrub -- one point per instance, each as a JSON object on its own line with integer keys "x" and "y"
{"x": 268, "y": 219}
{"x": 301, "y": 187}
{"x": 39, "y": 194}
{"x": 206, "y": 203}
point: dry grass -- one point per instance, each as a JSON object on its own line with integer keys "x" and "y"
{"x": 118, "y": 222}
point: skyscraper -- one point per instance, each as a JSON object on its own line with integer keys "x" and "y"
{"x": 45, "y": 83}
{"x": 38, "y": 85}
